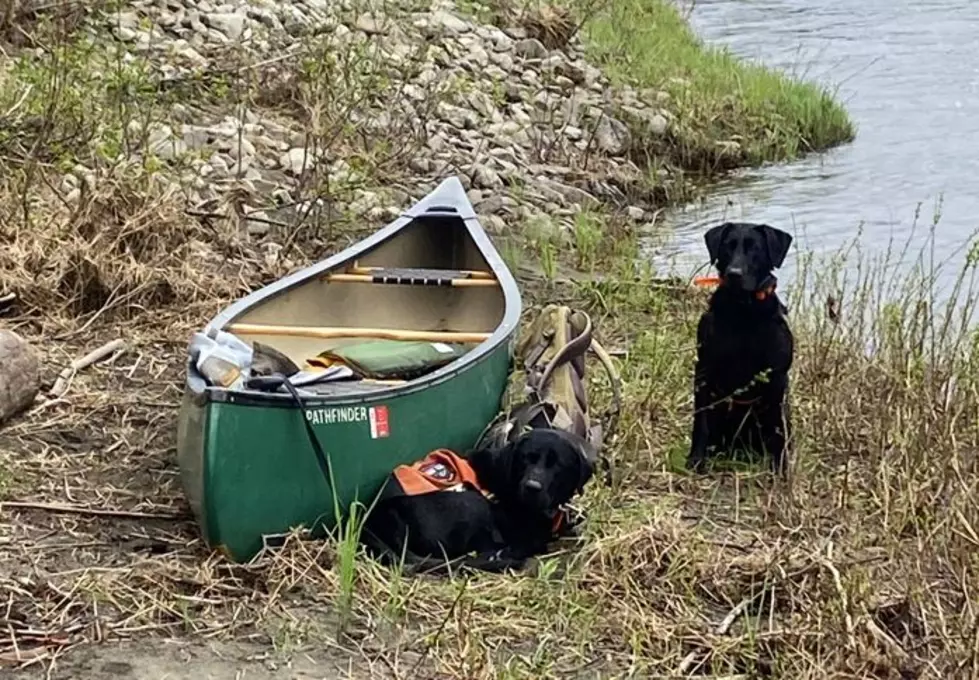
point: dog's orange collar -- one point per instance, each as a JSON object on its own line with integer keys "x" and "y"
{"x": 765, "y": 293}
{"x": 705, "y": 281}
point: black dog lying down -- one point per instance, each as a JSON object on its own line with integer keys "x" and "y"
{"x": 744, "y": 349}
{"x": 492, "y": 510}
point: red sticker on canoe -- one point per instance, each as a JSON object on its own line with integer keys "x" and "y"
{"x": 378, "y": 416}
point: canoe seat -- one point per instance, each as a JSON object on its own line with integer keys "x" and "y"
{"x": 415, "y": 276}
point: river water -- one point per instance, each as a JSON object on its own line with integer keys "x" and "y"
{"x": 908, "y": 73}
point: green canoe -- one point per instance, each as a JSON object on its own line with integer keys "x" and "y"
{"x": 431, "y": 281}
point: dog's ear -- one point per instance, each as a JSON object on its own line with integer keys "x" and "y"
{"x": 494, "y": 467}
{"x": 714, "y": 237}
{"x": 777, "y": 242}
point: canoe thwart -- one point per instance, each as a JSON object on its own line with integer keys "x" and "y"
{"x": 342, "y": 332}
{"x": 413, "y": 276}
{"x": 455, "y": 273}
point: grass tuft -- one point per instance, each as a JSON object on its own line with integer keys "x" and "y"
{"x": 727, "y": 112}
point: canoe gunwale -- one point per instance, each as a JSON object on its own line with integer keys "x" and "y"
{"x": 447, "y": 200}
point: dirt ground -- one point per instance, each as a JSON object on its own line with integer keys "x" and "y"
{"x": 193, "y": 660}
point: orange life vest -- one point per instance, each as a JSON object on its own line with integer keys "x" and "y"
{"x": 440, "y": 470}
{"x": 444, "y": 470}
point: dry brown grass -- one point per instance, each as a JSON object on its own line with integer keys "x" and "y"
{"x": 866, "y": 566}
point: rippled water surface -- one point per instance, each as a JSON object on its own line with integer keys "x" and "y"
{"x": 909, "y": 75}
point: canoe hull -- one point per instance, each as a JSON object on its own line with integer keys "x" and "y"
{"x": 247, "y": 466}
{"x": 249, "y": 470}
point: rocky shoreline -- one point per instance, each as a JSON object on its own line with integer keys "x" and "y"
{"x": 530, "y": 128}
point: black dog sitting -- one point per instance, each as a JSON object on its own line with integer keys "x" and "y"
{"x": 744, "y": 349}
{"x": 492, "y": 510}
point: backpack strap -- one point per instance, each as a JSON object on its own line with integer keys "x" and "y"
{"x": 553, "y": 355}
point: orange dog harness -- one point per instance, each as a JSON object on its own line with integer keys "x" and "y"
{"x": 440, "y": 470}
{"x": 444, "y": 470}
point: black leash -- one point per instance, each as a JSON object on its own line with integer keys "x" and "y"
{"x": 272, "y": 382}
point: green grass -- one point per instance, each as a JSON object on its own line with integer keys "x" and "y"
{"x": 728, "y": 112}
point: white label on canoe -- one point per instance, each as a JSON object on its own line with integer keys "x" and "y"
{"x": 339, "y": 414}
{"x": 379, "y": 421}
{"x": 442, "y": 347}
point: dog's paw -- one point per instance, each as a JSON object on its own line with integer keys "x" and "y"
{"x": 696, "y": 464}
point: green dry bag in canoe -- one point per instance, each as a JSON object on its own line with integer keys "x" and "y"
{"x": 382, "y": 359}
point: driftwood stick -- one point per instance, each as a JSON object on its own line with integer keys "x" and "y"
{"x": 722, "y": 628}
{"x": 81, "y": 510}
{"x": 96, "y": 355}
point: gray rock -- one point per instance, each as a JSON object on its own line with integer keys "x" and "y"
{"x": 242, "y": 148}
{"x": 565, "y": 193}
{"x": 491, "y": 205}
{"x": 196, "y": 137}
{"x": 199, "y": 27}
{"x": 296, "y": 160}
{"x": 494, "y": 73}
{"x": 564, "y": 84}
{"x": 265, "y": 17}
{"x": 125, "y": 33}
{"x": 230, "y": 24}
{"x": 450, "y": 23}
{"x": 370, "y": 24}
{"x": 168, "y": 149}
{"x": 125, "y": 19}
{"x": 503, "y": 60}
{"x": 500, "y": 40}
{"x": 493, "y": 223}
{"x": 226, "y": 128}
{"x": 514, "y": 93}
{"x": 487, "y": 178}
{"x": 612, "y": 136}
{"x": 365, "y": 202}
{"x": 572, "y": 71}
{"x": 657, "y": 123}
{"x": 216, "y": 36}
{"x": 635, "y": 213}
{"x": 552, "y": 63}
{"x": 256, "y": 223}
{"x": 241, "y": 167}
{"x": 530, "y": 48}
{"x": 482, "y": 103}
{"x": 437, "y": 142}
{"x": 420, "y": 165}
